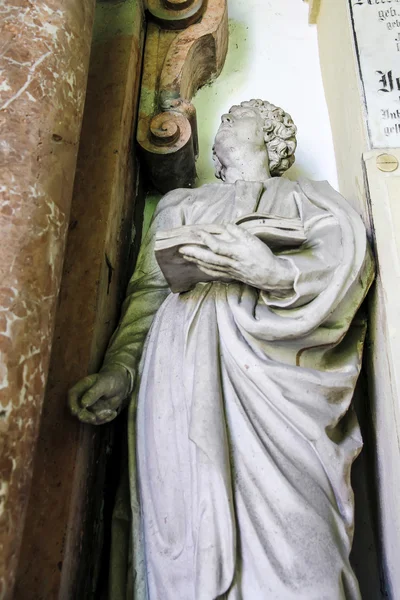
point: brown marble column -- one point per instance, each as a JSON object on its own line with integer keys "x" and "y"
{"x": 62, "y": 541}
{"x": 43, "y": 65}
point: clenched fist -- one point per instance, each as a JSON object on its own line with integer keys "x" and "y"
{"x": 98, "y": 399}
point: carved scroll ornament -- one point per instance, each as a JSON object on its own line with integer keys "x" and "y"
{"x": 176, "y": 65}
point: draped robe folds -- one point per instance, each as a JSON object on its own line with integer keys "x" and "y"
{"x": 241, "y": 432}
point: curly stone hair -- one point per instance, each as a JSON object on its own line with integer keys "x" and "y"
{"x": 279, "y": 134}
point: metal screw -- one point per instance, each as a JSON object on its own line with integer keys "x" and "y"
{"x": 387, "y": 163}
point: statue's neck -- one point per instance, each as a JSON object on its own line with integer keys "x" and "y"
{"x": 256, "y": 168}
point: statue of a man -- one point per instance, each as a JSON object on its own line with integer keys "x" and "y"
{"x": 241, "y": 438}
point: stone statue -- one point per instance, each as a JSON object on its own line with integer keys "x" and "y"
{"x": 240, "y": 428}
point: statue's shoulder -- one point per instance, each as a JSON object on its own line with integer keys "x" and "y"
{"x": 321, "y": 186}
{"x": 181, "y": 197}
{"x": 324, "y": 195}
{"x": 302, "y": 183}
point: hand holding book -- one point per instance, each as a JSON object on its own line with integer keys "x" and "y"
{"x": 236, "y": 255}
{"x": 242, "y": 252}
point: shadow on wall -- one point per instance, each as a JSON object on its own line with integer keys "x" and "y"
{"x": 364, "y": 555}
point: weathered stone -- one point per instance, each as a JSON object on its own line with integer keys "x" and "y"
{"x": 63, "y": 507}
{"x": 45, "y": 52}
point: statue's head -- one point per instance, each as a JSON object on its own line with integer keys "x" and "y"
{"x": 253, "y": 133}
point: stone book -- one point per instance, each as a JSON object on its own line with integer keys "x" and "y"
{"x": 277, "y": 232}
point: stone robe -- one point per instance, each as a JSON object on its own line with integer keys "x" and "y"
{"x": 241, "y": 438}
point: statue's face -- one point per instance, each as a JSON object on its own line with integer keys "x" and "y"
{"x": 239, "y": 137}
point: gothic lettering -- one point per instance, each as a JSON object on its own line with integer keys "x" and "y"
{"x": 389, "y": 83}
{"x": 377, "y": 33}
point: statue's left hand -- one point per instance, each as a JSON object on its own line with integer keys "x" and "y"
{"x": 238, "y": 255}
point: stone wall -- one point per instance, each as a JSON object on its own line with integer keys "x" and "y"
{"x": 373, "y": 189}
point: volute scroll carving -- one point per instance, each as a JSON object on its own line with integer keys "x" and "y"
{"x": 176, "y": 65}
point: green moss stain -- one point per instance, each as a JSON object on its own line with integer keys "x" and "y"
{"x": 116, "y": 19}
{"x": 152, "y": 199}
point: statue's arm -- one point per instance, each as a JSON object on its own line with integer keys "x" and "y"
{"x": 146, "y": 291}
{"x": 99, "y": 398}
{"x": 313, "y": 266}
{"x": 285, "y": 279}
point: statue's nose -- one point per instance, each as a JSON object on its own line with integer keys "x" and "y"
{"x": 226, "y": 118}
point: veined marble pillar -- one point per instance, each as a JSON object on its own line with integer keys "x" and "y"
{"x": 44, "y": 64}
{"x": 66, "y": 505}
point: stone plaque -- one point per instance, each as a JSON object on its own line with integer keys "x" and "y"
{"x": 376, "y": 26}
